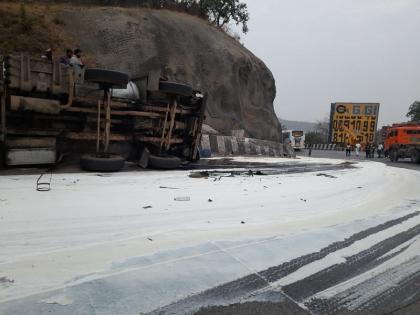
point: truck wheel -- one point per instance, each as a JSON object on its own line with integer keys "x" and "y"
{"x": 393, "y": 156}
{"x": 108, "y": 77}
{"x": 2, "y": 156}
{"x": 415, "y": 156}
{"x": 175, "y": 88}
{"x": 167, "y": 162}
{"x": 102, "y": 163}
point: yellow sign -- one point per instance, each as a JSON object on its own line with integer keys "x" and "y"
{"x": 353, "y": 122}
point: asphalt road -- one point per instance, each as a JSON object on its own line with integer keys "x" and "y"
{"x": 367, "y": 259}
{"x": 404, "y": 163}
{"x": 259, "y": 293}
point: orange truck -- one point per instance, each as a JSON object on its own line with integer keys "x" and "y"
{"x": 403, "y": 141}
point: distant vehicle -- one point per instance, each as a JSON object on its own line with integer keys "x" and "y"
{"x": 296, "y": 138}
{"x": 403, "y": 141}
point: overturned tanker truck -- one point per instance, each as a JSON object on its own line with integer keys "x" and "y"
{"x": 106, "y": 120}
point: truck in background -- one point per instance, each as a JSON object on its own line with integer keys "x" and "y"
{"x": 403, "y": 141}
{"x": 296, "y": 138}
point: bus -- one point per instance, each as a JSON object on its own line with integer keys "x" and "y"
{"x": 296, "y": 138}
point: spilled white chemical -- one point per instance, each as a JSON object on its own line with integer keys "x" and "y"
{"x": 88, "y": 224}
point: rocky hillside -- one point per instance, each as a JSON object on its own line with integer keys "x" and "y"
{"x": 241, "y": 88}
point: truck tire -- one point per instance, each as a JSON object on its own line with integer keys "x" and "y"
{"x": 108, "y": 77}
{"x": 175, "y": 88}
{"x": 105, "y": 163}
{"x": 2, "y": 156}
{"x": 393, "y": 156}
{"x": 168, "y": 162}
{"x": 415, "y": 156}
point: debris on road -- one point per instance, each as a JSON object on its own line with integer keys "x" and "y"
{"x": 186, "y": 198}
{"x": 217, "y": 175}
{"x": 104, "y": 175}
{"x": 326, "y": 175}
{"x": 5, "y": 280}
{"x": 59, "y": 300}
{"x": 204, "y": 174}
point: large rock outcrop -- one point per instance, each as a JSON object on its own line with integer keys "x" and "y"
{"x": 241, "y": 88}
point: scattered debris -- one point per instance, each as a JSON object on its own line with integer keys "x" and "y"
{"x": 217, "y": 175}
{"x": 186, "y": 198}
{"x": 150, "y": 239}
{"x": 304, "y": 200}
{"x": 6, "y": 280}
{"x": 147, "y": 207}
{"x": 164, "y": 187}
{"x": 44, "y": 186}
{"x": 326, "y": 175}
{"x": 103, "y": 175}
{"x": 259, "y": 173}
{"x": 59, "y": 299}
{"x": 204, "y": 174}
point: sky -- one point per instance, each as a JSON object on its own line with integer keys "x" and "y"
{"x": 325, "y": 51}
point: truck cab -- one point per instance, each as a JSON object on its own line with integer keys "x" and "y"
{"x": 403, "y": 141}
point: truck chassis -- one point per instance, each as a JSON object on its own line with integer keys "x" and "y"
{"x": 46, "y": 116}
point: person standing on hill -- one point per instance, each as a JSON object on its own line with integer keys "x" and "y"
{"x": 65, "y": 60}
{"x": 48, "y": 54}
{"x": 77, "y": 64}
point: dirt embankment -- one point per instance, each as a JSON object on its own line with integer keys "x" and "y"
{"x": 241, "y": 88}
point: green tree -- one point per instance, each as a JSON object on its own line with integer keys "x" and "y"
{"x": 414, "y": 112}
{"x": 220, "y": 12}
{"x": 314, "y": 137}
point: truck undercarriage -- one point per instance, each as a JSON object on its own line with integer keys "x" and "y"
{"x": 46, "y": 116}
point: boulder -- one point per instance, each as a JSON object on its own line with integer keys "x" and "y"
{"x": 241, "y": 89}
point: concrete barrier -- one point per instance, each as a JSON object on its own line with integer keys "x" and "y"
{"x": 217, "y": 145}
{"x": 330, "y": 147}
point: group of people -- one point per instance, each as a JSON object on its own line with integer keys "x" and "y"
{"x": 71, "y": 59}
{"x": 369, "y": 148}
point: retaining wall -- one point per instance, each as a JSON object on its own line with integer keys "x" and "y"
{"x": 218, "y": 145}
{"x": 331, "y": 147}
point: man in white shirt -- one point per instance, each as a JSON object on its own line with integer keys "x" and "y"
{"x": 358, "y": 146}
{"x": 77, "y": 64}
{"x": 380, "y": 150}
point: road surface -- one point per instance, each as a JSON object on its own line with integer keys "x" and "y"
{"x": 403, "y": 163}
{"x": 240, "y": 236}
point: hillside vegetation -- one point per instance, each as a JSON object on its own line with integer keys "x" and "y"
{"x": 31, "y": 28}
